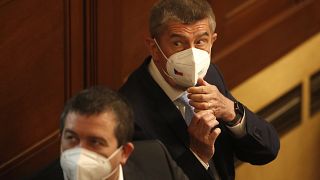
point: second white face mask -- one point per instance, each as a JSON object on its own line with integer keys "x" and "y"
{"x": 187, "y": 66}
{"x": 82, "y": 164}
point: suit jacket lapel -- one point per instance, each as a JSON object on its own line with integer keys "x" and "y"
{"x": 174, "y": 119}
{"x": 166, "y": 108}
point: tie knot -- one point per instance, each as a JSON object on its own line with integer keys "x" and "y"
{"x": 187, "y": 109}
{"x": 184, "y": 99}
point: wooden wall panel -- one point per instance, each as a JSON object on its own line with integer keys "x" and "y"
{"x": 39, "y": 71}
{"x": 253, "y": 34}
{"x": 123, "y": 27}
{"x": 74, "y": 43}
{"x": 108, "y": 43}
{"x": 51, "y": 49}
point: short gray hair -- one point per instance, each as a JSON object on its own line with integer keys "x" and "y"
{"x": 184, "y": 11}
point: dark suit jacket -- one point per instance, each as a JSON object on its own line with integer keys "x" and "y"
{"x": 149, "y": 161}
{"x": 156, "y": 117}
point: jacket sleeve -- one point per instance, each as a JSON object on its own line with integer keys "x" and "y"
{"x": 193, "y": 168}
{"x": 261, "y": 143}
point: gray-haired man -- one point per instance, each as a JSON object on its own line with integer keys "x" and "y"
{"x": 181, "y": 99}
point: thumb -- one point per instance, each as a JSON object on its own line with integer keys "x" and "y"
{"x": 214, "y": 134}
{"x": 202, "y": 82}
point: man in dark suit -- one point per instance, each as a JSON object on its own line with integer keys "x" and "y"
{"x": 180, "y": 98}
{"x": 96, "y": 130}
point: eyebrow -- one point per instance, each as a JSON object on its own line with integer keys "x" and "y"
{"x": 177, "y": 35}
{"x": 89, "y": 137}
{"x": 99, "y": 139}
{"x": 183, "y": 36}
{"x": 204, "y": 34}
{"x": 66, "y": 130}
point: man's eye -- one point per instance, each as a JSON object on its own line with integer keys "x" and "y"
{"x": 71, "y": 139}
{"x": 202, "y": 42}
{"x": 177, "y": 43}
{"x": 96, "y": 142}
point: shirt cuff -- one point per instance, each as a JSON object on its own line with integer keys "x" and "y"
{"x": 239, "y": 130}
{"x": 205, "y": 165}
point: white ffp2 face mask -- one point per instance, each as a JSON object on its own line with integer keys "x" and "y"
{"x": 187, "y": 66}
{"x": 82, "y": 164}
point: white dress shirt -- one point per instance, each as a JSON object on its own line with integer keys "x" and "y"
{"x": 120, "y": 173}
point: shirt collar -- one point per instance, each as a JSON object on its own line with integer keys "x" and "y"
{"x": 171, "y": 92}
{"x": 120, "y": 173}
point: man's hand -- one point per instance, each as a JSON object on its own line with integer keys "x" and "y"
{"x": 208, "y": 97}
{"x": 203, "y": 134}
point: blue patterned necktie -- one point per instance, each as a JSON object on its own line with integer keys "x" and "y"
{"x": 188, "y": 110}
{"x": 183, "y": 103}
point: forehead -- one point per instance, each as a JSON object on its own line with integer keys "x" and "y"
{"x": 193, "y": 29}
{"x": 101, "y": 125}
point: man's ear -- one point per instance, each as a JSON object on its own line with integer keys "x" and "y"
{"x": 153, "y": 48}
{"x": 214, "y": 38}
{"x": 126, "y": 152}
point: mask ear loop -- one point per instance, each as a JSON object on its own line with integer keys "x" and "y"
{"x": 164, "y": 57}
{"x": 110, "y": 157}
{"x": 115, "y": 152}
{"x": 111, "y": 173}
{"x": 160, "y": 49}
